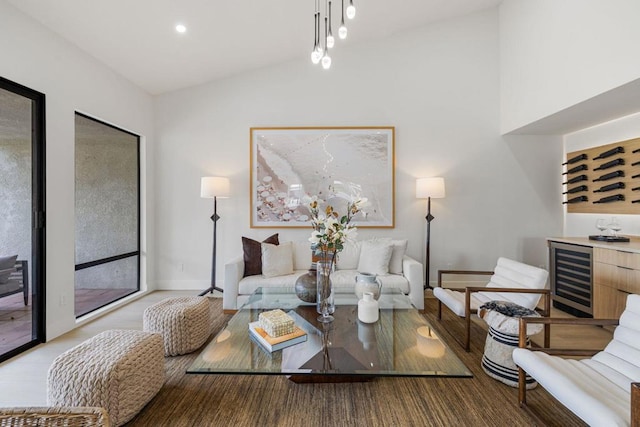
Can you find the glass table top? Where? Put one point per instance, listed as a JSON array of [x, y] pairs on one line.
[[400, 343]]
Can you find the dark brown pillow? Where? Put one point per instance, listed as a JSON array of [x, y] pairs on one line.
[[252, 253]]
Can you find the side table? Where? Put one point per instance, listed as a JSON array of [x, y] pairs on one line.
[[502, 317]]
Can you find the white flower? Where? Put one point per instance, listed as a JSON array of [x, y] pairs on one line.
[[361, 203], [350, 234], [315, 238], [330, 230]]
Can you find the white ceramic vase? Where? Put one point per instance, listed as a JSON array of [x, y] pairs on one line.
[[368, 309], [367, 282]]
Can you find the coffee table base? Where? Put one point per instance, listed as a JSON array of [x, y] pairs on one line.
[[329, 360], [314, 379]]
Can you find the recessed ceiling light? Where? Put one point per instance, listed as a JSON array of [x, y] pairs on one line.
[[181, 28]]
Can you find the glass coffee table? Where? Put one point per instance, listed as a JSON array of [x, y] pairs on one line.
[[400, 343]]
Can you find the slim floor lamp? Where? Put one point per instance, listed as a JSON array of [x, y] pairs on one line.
[[214, 187], [428, 188]]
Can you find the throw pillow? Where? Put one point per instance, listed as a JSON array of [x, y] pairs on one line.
[[277, 260], [252, 254], [398, 249], [348, 258], [7, 263], [374, 256]]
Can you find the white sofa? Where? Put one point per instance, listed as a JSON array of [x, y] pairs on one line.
[[409, 276]]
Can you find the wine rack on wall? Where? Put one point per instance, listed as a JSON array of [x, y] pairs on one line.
[[603, 179]]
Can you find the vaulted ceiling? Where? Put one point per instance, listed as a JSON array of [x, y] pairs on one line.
[[138, 40]]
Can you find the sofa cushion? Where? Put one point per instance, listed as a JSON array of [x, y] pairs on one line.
[[395, 281], [7, 266], [398, 249], [252, 254], [374, 256], [349, 256], [343, 281], [302, 254], [277, 260], [249, 284]]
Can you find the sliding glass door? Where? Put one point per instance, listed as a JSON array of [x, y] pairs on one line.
[[22, 201], [107, 214]]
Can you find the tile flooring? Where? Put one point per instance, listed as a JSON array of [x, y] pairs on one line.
[[23, 378]]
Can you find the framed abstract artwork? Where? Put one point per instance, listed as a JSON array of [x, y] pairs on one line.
[[337, 164]]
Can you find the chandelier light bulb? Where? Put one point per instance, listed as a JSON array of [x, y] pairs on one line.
[[342, 32], [326, 62], [351, 10], [330, 41], [315, 56]]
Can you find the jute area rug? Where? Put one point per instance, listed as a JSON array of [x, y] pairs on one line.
[[243, 400]]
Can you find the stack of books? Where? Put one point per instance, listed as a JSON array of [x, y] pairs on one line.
[[275, 343]]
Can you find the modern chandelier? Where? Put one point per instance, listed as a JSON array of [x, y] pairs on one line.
[[320, 54]]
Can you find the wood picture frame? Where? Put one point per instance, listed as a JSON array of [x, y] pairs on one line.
[[337, 164]]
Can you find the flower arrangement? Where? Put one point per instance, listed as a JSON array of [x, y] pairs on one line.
[[330, 230]]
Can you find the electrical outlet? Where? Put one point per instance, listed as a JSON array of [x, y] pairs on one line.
[[181, 267], [62, 300]]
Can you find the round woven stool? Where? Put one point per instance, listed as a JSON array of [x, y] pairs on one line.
[[184, 323], [503, 319]]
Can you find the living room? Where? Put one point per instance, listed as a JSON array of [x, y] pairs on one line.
[[491, 100]]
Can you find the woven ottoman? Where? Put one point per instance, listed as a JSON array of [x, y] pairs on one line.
[[183, 322], [118, 370], [503, 319]]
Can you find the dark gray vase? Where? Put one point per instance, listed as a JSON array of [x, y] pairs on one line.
[[306, 288]]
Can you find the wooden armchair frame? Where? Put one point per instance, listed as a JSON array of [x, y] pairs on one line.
[[545, 311], [547, 322]]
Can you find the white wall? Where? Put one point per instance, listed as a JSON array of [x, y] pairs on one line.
[[557, 53], [437, 85], [71, 80], [607, 133]]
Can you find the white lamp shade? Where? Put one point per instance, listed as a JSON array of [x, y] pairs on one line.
[[214, 186], [430, 187]]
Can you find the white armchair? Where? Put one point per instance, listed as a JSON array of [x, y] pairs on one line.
[[603, 390], [511, 281]]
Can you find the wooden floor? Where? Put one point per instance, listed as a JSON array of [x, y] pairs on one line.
[[23, 378], [15, 322], [15, 317]]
